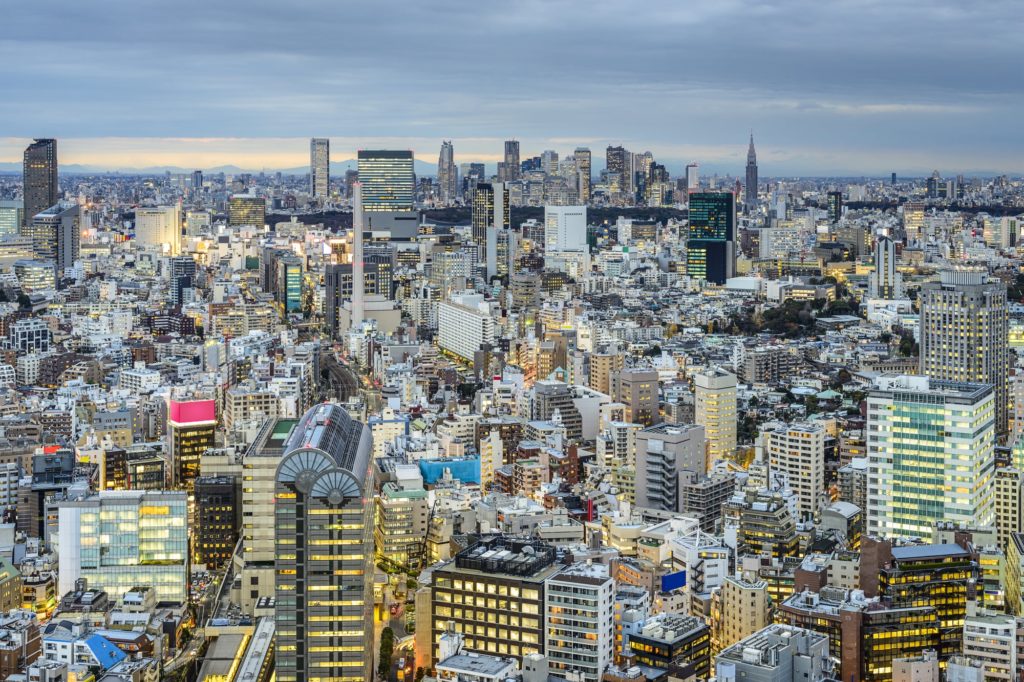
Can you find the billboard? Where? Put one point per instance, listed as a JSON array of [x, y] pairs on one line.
[[673, 581], [192, 411]]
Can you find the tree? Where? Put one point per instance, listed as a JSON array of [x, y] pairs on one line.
[[387, 649], [24, 301], [420, 673]]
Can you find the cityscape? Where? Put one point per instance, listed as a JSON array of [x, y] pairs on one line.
[[307, 386]]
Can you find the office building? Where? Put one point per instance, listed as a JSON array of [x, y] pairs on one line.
[[750, 197], [447, 174], [216, 520], [764, 523], [885, 282], [510, 571], [637, 389], [619, 167], [1008, 503], [197, 181], [565, 228], [834, 207], [512, 170], [56, 235], [159, 226], [191, 429], [35, 275], [490, 216], [388, 180], [578, 622], [715, 410], [996, 641], [964, 333], [797, 452], [400, 528], [931, 455], [324, 550], [582, 160], [740, 609], [692, 177], [778, 653], [465, 325], [12, 217], [182, 280], [710, 246], [668, 640], [247, 210], [319, 167], [663, 452], [40, 178], [118, 540]]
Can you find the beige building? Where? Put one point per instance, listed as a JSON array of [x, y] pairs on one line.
[[637, 389], [244, 404], [715, 410], [602, 365], [400, 527], [797, 451], [739, 609], [1009, 487]]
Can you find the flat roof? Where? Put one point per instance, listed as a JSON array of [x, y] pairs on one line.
[[928, 551]]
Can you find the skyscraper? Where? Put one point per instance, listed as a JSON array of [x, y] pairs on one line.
[[324, 549], [711, 249], [388, 180], [930, 454], [582, 156], [965, 333], [319, 167], [447, 175], [617, 167], [835, 206], [55, 235], [40, 177], [751, 189], [692, 177], [885, 282], [549, 161], [512, 160], [490, 214]]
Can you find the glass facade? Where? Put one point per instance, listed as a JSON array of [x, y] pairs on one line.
[[388, 180]]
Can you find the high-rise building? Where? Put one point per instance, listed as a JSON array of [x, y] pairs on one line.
[[965, 334], [119, 540], [512, 171], [388, 180], [244, 209], [692, 177], [12, 217], [465, 325], [885, 282], [931, 455], [324, 550], [197, 180], [583, 174], [490, 215], [615, 162], [637, 389], [40, 177], [668, 640], [663, 452], [710, 248], [835, 207], [715, 410], [741, 608], [56, 235], [750, 198], [191, 429], [319, 167], [549, 161], [216, 520], [447, 174], [182, 279], [578, 623], [565, 228], [913, 220], [159, 226], [797, 452]]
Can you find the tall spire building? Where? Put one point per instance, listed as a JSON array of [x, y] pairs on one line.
[[750, 198], [447, 175]]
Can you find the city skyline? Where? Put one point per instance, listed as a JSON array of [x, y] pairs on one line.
[[873, 97]]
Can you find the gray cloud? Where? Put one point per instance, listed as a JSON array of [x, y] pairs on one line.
[[937, 82]]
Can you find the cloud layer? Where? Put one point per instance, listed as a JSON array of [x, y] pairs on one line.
[[840, 87]]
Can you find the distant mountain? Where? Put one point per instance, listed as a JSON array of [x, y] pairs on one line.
[[338, 168]]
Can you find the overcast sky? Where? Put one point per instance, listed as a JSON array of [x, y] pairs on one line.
[[828, 87]]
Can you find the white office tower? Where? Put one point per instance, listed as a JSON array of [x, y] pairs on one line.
[[579, 622], [565, 228], [465, 324], [885, 282], [931, 455], [447, 174], [319, 167], [692, 177], [159, 226], [499, 221], [715, 410]]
